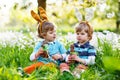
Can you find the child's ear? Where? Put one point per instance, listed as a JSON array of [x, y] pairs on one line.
[[89, 37], [43, 35]]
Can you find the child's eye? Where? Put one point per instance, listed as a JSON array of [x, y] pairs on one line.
[[77, 33], [51, 32], [82, 34]]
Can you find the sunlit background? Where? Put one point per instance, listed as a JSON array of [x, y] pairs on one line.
[[18, 36], [64, 13], [7, 5]]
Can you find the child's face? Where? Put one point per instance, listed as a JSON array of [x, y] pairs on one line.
[[82, 37], [50, 36]]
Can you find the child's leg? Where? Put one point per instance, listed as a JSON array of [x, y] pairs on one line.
[[64, 67], [32, 67], [80, 68]]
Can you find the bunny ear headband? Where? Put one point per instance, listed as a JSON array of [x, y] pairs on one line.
[[40, 18]]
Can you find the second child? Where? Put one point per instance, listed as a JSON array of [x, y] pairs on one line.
[[81, 53]]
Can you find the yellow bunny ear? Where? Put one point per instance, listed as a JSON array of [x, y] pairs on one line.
[[35, 16], [43, 14]]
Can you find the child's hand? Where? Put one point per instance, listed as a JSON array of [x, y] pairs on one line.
[[74, 57], [57, 56], [40, 52], [77, 58], [69, 59]]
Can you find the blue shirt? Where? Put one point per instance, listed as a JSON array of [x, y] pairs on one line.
[[84, 50], [53, 48]]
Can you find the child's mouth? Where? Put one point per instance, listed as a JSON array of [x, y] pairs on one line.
[[54, 37]]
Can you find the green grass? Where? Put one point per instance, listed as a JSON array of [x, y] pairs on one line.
[[107, 65]]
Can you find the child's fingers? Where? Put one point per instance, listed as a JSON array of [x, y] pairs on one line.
[[57, 56], [53, 57], [41, 50]]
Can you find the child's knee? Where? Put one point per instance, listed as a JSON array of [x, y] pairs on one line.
[[81, 66], [64, 65]]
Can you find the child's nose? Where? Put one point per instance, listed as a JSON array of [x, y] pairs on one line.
[[55, 34], [79, 35]]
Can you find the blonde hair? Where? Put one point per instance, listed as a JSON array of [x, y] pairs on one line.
[[84, 25]]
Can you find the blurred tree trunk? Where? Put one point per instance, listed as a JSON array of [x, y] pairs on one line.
[[118, 17], [41, 3]]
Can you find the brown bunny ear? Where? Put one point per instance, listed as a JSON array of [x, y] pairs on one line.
[[43, 14], [35, 16]]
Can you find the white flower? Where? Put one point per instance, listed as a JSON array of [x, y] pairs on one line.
[[110, 15]]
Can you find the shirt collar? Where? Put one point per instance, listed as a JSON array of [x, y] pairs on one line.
[[50, 43], [82, 46]]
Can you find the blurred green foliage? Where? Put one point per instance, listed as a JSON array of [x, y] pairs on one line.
[[63, 16]]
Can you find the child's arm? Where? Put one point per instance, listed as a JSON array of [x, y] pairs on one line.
[[77, 58], [62, 52], [91, 57], [90, 60], [40, 52], [34, 56]]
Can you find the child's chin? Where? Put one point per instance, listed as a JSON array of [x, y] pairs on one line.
[[81, 41], [52, 40]]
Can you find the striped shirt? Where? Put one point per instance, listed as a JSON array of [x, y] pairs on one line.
[[84, 51]]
